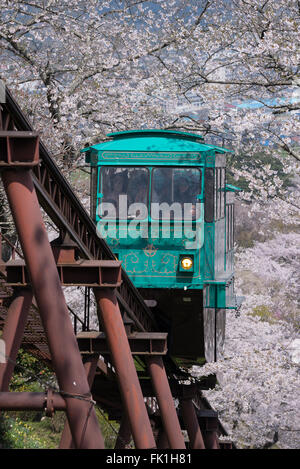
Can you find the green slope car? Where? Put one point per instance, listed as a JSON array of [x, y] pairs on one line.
[[160, 200]]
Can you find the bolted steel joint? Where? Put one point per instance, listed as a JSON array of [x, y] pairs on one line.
[[18, 150]]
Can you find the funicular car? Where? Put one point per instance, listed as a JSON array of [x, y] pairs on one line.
[[161, 201]]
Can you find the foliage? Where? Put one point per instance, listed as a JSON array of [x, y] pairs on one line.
[[32, 429], [249, 163], [30, 373], [14, 433], [22, 430], [264, 313], [109, 428]]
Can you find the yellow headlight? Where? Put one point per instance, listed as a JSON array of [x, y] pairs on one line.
[[186, 263]]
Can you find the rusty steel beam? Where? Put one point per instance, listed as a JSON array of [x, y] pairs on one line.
[[13, 331], [52, 306], [209, 425], [166, 403], [210, 437], [110, 318], [18, 149], [226, 444], [90, 367], [64, 249], [124, 434], [103, 368], [109, 386], [141, 343], [162, 440], [191, 424], [31, 401], [90, 273]]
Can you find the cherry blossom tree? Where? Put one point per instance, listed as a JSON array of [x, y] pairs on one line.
[[257, 397], [114, 63], [83, 69]]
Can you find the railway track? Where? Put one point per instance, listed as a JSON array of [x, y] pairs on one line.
[[57, 198]]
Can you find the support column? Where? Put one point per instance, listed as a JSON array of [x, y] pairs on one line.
[[162, 440], [166, 403], [90, 366], [13, 331], [191, 423], [51, 302], [110, 318], [210, 434], [124, 435]]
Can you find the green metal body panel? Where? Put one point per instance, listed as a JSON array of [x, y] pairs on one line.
[[153, 261]]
